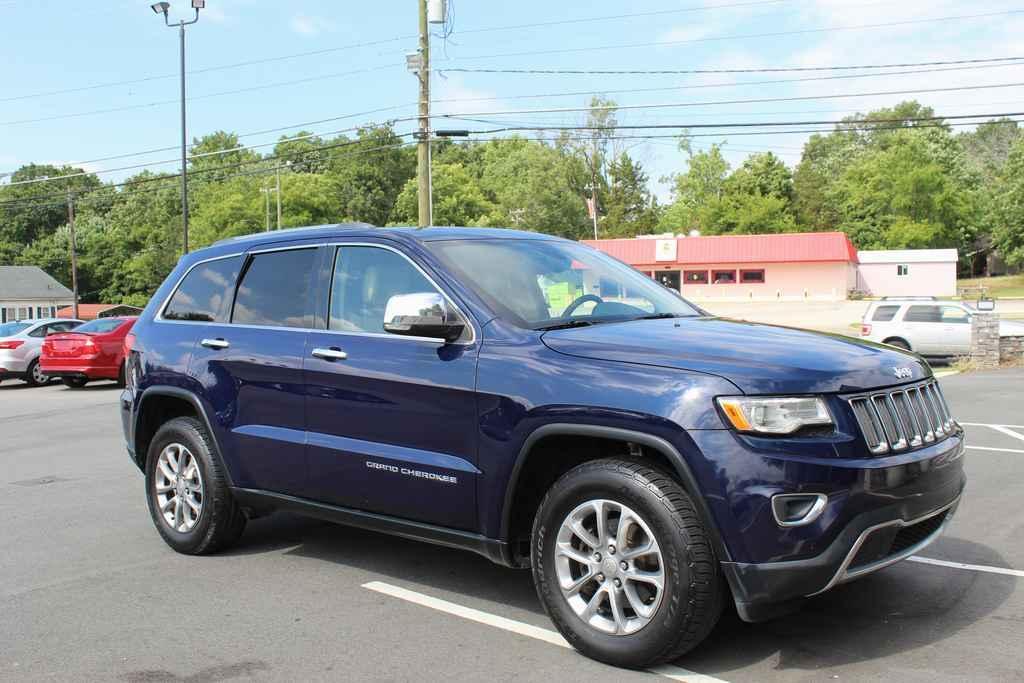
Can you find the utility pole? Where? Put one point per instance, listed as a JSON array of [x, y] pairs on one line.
[[278, 197], [266, 210], [74, 254], [423, 149]]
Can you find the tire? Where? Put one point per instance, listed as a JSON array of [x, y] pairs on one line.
[[898, 343], [34, 377], [74, 382], [219, 521], [121, 376], [691, 599]]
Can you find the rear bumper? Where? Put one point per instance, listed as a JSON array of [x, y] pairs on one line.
[[11, 366], [61, 369]]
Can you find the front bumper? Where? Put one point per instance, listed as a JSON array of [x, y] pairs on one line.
[[872, 541]]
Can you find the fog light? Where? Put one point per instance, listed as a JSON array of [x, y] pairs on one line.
[[798, 509]]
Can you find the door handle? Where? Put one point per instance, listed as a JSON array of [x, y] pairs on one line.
[[215, 343], [330, 354]]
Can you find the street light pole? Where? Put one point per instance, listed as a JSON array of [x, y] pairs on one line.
[[161, 8]]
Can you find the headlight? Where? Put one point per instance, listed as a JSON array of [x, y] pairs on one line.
[[776, 415]]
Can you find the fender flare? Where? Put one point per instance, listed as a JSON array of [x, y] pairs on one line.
[[679, 464], [190, 397]]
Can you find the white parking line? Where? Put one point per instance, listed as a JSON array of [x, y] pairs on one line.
[[1002, 450], [1006, 430], [548, 636], [970, 567], [983, 424]]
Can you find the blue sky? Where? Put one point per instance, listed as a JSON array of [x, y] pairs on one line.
[[48, 45]]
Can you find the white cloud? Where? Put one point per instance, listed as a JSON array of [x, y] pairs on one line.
[[451, 95], [308, 25]]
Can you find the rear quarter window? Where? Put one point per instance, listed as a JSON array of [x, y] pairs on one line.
[[205, 293], [884, 314]]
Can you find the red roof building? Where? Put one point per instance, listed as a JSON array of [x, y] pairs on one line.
[[789, 266], [93, 311]]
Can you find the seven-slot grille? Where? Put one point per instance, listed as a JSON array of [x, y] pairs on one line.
[[898, 419]]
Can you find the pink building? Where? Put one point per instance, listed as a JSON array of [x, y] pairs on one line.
[[907, 272], [787, 267]]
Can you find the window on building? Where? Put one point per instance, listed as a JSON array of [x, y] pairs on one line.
[[695, 277], [723, 277], [24, 313], [884, 314], [205, 293], [902, 269], [752, 276], [274, 290], [922, 314]]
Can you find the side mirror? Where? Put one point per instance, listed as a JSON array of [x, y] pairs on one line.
[[423, 314]]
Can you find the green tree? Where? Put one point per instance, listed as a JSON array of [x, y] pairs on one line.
[[1009, 207], [370, 173], [702, 183], [458, 198], [629, 207]]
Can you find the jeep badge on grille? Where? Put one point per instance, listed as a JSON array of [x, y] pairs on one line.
[[903, 373]]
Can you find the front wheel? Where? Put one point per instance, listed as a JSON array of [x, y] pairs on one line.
[[623, 564]]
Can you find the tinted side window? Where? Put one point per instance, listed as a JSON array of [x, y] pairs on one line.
[[364, 279], [205, 293], [275, 289], [885, 313], [922, 314]]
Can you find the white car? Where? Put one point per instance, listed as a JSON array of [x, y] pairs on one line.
[[20, 345], [926, 326]]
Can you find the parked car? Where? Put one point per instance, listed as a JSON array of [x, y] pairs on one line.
[[540, 403], [926, 326], [90, 352], [21, 343]]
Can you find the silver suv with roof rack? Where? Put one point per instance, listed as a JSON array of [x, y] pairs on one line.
[[925, 325]]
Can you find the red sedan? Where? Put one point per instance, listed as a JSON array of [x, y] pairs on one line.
[[93, 351]]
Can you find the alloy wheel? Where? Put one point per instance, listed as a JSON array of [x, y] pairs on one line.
[[37, 375], [178, 488], [609, 567]]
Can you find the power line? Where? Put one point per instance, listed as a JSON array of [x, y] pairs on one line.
[[746, 36], [781, 69], [373, 43], [730, 84], [145, 105], [251, 62], [666, 105]]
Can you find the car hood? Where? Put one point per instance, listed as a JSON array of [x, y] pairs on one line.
[[757, 358]]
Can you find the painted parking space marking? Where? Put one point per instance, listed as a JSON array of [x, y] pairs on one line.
[[1001, 450], [968, 567], [985, 424], [674, 673]]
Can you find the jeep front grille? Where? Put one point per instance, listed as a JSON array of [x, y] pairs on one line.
[[899, 419]]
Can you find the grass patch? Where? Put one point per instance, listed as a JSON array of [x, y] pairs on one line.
[[1003, 286]]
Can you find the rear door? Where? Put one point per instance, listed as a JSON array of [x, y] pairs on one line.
[[956, 330], [251, 369], [392, 419], [922, 326]]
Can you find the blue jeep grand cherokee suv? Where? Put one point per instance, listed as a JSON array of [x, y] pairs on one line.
[[540, 403]]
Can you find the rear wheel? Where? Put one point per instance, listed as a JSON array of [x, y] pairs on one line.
[[624, 565], [898, 343], [74, 382], [34, 375], [189, 499]]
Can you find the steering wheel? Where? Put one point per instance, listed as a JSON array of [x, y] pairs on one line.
[[579, 301]]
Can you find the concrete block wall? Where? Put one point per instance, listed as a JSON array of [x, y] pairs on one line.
[[1011, 349], [985, 339]]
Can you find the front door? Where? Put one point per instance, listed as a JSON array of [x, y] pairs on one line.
[[392, 425], [251, 367]]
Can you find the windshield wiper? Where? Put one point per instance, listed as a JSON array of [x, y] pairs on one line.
[[565, 325], [658, 316]]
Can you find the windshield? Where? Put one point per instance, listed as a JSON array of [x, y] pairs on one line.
[[541, 284], [11, 329], [100, 326]]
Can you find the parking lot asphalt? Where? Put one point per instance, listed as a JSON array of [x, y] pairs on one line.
[[89, 591]]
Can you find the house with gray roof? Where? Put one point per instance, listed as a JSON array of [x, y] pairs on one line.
[[29, 293]]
